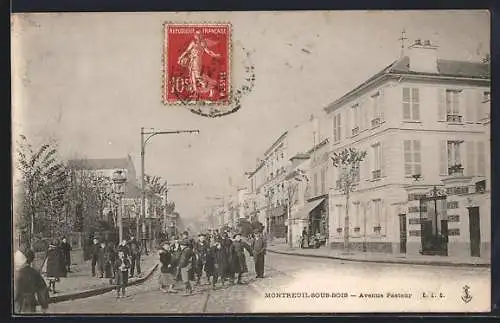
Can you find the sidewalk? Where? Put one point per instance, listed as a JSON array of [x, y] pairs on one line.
[[80, 280], [326, 252]]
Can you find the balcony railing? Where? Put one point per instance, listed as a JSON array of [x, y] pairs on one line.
[[453, 118], [376, 174], [355, 131], [375, 122]]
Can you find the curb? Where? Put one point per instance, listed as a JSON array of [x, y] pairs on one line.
[[389, 261], [100, 290]]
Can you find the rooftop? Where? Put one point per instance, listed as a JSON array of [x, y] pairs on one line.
[[446, 68]]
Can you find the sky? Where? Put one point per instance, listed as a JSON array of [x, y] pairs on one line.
[[90, 81]]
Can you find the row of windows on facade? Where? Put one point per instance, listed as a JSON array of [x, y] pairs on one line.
[[449, 109], [451, 160], [375, 210], [450, 164]]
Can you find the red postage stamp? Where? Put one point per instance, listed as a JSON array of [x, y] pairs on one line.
[[196, 63]]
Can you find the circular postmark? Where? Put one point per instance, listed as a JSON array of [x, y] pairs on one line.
[[199, 70]]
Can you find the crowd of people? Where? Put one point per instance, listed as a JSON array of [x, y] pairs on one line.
[[210, 258], [218, 257]]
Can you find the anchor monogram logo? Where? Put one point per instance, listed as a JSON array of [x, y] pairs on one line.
[[467, 297]]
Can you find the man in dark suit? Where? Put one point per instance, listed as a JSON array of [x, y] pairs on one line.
[[95, 249], [259, 247]]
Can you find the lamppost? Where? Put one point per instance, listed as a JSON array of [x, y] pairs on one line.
[[145, 137], [119, 178]]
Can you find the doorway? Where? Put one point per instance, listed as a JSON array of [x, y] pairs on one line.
[[474, 232], [402, 233]]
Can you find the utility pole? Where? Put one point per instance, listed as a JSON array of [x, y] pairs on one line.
[[144, 141]]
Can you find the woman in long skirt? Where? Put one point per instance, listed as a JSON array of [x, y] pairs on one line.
[[54, 265]]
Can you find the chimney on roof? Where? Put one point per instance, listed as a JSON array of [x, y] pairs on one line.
[[423, 57]]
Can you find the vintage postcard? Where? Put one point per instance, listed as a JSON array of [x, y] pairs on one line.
[[251, 162]]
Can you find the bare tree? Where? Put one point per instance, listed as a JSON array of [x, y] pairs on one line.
[[348, 162]]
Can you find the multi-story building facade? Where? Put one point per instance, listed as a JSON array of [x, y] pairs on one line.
[[424, 123], [267, 181]]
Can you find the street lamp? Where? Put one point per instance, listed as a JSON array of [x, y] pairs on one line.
[[119, 178], [145, 137]]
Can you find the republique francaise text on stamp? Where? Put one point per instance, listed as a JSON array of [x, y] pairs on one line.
[[196, 63]]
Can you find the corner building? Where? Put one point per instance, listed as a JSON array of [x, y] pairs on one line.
[[424, 187]]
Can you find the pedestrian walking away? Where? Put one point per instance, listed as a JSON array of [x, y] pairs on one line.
[[29, 286], [122, 266], [259, 252], [94, 251], [135, 257], [238, 255], [101, 259], [66, 251]]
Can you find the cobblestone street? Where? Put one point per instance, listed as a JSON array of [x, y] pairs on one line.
[[292, 274]]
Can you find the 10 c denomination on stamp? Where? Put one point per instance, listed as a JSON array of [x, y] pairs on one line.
[[196, 63]]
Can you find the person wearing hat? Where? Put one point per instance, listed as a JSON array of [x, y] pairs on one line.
[[217, 262], [94, 251], [201, 249], [54, 265], [259, 247], [29, 286], [66, 251], [167, 278], [186, 262], [228, 270], [239, 260]]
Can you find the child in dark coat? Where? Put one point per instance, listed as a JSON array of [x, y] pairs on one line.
[[167, 270], [122, 266]]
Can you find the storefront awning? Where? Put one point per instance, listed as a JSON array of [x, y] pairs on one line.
[[303, 213]]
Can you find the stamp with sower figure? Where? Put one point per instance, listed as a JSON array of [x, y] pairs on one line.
[[197, 63]]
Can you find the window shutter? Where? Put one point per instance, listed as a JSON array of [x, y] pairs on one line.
[[383, 214], [347, 127], [443, 160], [462, 102], [339, 128], [470, 106], [481, 158], [368, 114], [407, 157], [381, 104], [382, 159], [441, 104], [482, 109], [470, 168], [366, 167]]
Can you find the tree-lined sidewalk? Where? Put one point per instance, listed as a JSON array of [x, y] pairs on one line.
[[80, 278]]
